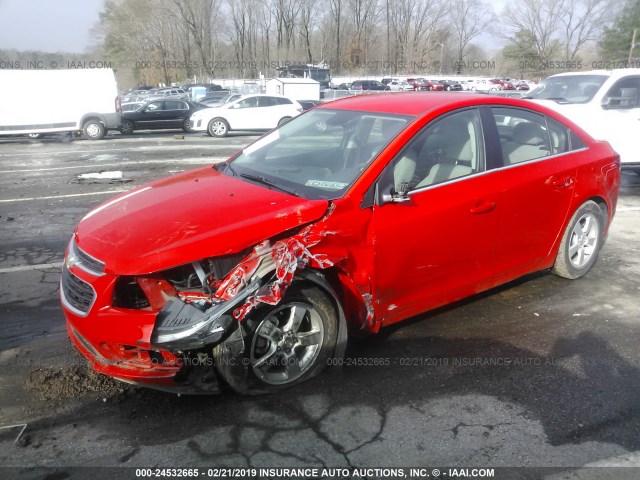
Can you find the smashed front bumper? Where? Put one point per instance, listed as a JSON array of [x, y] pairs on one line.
[[172, 346]]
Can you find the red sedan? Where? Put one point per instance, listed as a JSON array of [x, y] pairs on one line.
[[356, 215]]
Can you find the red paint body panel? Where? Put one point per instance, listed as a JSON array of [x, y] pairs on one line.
[[433, 249], [193, 215]]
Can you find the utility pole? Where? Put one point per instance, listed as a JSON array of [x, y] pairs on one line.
[[633, 44], [441, 54]]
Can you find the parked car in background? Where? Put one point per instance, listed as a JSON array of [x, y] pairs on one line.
[[159, 114], [343, 86], [522, 85], [435, 85], [418, 83], [134, 96], [176, 93], [368, 85], [483, 85], [424, 84], [451, 85], [249, 112], [399, 85], [219, 98], [348, 219], [606, 103]]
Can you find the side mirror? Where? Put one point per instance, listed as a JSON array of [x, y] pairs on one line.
[[385, 188]]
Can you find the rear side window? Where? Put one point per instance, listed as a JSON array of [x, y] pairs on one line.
[[283, 101], [526, 136], [267, 101], [523, 135]]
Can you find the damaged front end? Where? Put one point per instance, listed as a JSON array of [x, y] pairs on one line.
[[205, 302]]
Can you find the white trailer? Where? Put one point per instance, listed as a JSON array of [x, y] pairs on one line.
[[294, 88], [48, 101]]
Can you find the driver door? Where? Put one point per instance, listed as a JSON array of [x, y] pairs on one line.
[[436, 245]]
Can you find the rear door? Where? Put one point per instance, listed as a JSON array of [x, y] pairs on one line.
[[153, 115], [537, 181], [176, 112]]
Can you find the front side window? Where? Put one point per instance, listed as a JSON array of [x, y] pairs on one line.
[[246, 103], [320, 154], [448, 148]]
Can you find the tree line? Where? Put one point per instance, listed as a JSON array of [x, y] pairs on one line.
[[165, 41]]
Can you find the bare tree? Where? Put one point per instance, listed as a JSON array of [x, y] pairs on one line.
[[467, 20], [542, 19], [583, 21]]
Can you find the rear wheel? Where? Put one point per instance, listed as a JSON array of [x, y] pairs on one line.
[[288, 343], [283, 120], [93, 129], [581, 242], [186, 125], [218, 127]]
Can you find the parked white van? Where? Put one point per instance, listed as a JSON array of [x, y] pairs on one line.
[[606, 103], [47, 101]]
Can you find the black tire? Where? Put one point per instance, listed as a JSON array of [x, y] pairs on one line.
[[126, 127], [280, 352], [283, 120], [93, 129], [581, 242], [186, 125], [218, 127]]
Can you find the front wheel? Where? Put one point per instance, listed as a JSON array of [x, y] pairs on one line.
[[126, 127], [186, 125], [93, 129], [218, 127], [288, 343], [581, 242]]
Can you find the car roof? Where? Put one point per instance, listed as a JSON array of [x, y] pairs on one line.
[[621, 72], [418, 103], [404, 103]]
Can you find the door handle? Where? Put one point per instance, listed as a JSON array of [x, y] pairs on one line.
[[483, 207], [561, 182]]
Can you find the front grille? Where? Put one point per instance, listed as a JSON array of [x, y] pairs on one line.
[[77, 293], [87, 262]]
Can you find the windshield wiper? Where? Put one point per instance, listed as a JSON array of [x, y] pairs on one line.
[[264, 181]]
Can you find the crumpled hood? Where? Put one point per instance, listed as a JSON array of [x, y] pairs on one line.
[[187, 217]]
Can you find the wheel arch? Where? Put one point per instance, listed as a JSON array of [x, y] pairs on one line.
[[327, 280]]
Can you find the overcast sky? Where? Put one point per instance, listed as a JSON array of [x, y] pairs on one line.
[[47, 25]]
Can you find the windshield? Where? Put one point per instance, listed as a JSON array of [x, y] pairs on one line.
[[568, 88], [319, 154]]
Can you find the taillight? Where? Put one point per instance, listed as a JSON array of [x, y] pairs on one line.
[[117, 103]]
